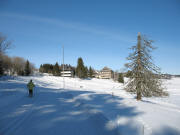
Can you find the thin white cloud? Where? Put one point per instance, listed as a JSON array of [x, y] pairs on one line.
[[72, 25]]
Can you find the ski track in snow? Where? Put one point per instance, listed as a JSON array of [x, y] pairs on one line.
[[21, 111], [13, 125], [27, 109]]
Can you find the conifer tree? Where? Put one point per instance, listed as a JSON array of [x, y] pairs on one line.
[[41, 68], [86, 72], [120, 78], [128, 73], [80, 69], [91, 72], [145, 76], [56, 70], [27, 70]]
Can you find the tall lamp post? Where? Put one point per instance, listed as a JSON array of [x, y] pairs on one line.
[[63, 68]]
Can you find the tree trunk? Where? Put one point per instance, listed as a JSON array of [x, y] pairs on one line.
[[138, 91], [138, 95]]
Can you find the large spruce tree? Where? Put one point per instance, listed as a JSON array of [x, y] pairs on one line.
[[27, 70], [81, 70], [145, 77]]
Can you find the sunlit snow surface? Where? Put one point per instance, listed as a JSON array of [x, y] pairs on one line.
[[85, 107]]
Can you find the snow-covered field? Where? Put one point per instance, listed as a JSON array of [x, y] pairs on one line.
[[85, 107]]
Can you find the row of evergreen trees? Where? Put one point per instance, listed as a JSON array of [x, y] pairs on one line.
[[55, 69], [80, 71]]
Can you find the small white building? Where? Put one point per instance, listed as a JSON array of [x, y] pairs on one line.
[[67, 73]]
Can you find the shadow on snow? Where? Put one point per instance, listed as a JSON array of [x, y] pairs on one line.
[[53, 111]]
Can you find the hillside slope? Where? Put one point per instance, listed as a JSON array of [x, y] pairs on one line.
[[91, 106]]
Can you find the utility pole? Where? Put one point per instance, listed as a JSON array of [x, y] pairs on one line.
[[63, 68]]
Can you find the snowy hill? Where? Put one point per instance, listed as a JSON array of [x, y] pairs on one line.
[[85, 107]]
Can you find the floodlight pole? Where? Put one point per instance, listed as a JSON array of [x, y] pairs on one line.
[[63, 68]]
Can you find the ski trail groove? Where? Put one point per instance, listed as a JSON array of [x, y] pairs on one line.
[[13, 126]]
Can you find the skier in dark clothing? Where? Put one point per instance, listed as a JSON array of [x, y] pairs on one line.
[[30, 86]]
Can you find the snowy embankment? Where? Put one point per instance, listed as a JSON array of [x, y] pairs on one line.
[[91, 107]]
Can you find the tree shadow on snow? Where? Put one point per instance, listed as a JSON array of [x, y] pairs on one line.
[[68, 112], [166, 131]]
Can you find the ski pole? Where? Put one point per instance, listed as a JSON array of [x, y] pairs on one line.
[[27, 91]]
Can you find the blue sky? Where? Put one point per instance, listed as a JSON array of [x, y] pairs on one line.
[[99, 31]]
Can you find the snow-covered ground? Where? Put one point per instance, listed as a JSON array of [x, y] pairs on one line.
[[85, 107]]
